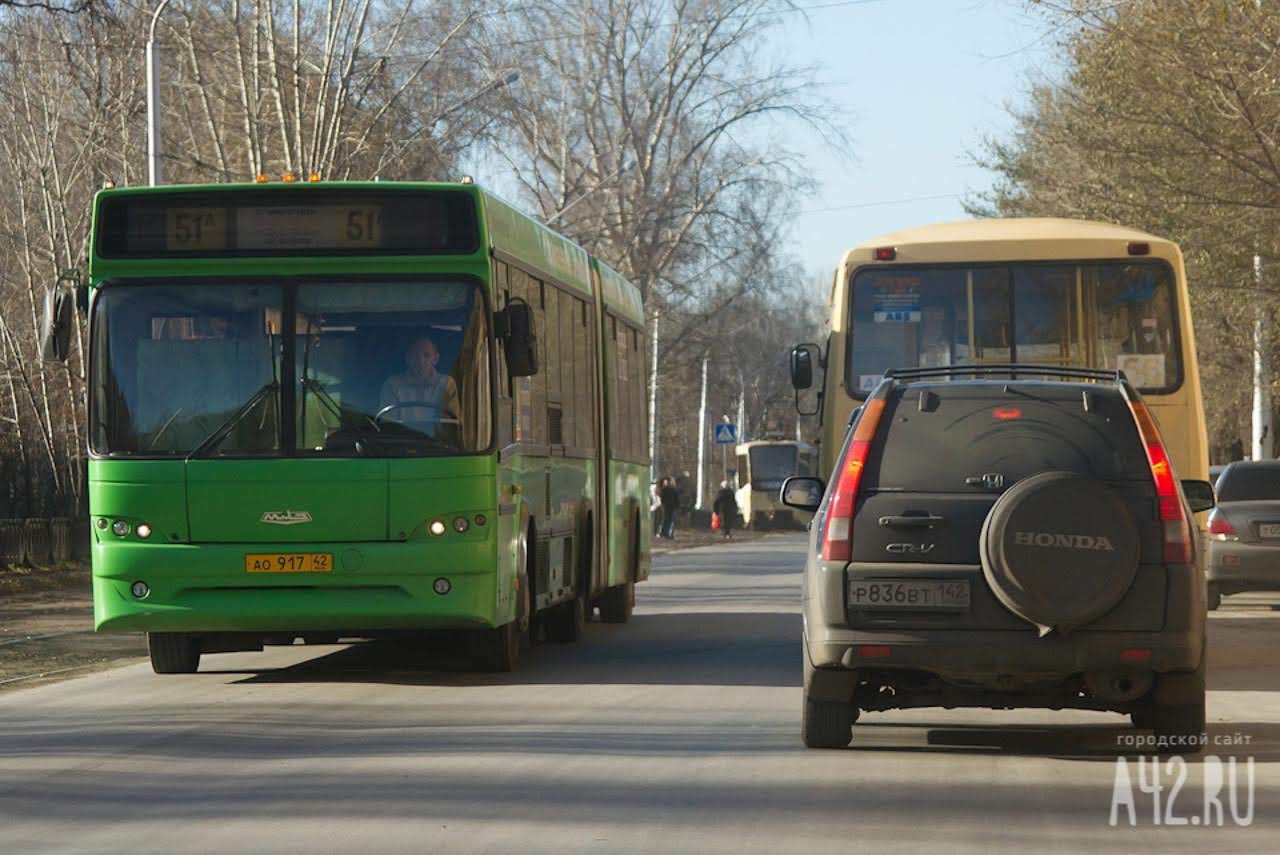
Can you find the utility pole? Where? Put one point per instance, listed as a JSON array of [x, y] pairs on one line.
[[1262, 419], [154, 170], [702, 431], [653, 405]]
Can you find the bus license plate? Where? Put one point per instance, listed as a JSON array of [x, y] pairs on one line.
[[289, 562], [1269, 530], [936, 594]]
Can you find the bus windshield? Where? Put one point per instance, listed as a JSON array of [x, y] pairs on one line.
[[265, 369], [1096, 315], [771, 465]]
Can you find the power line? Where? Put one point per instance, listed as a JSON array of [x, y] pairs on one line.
[[879, 204]]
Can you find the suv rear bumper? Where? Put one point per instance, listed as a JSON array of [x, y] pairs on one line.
[[1022, 656]]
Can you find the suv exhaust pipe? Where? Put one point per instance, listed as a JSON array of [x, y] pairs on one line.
[[1119, 685]]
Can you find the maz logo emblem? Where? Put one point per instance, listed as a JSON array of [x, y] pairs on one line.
[[910, 548], [286, 517]]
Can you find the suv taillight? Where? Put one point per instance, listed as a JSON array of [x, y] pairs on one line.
[[1220, 528], [1177, 530], [837, 531]]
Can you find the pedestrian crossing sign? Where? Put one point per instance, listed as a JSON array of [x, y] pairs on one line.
[[726, 433]]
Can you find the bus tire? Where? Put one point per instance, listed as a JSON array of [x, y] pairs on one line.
[[616, 603], [173, 652], [497, 649], [564, 623]]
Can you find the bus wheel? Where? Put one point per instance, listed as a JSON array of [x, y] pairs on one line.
[[564, 623], [173, 652], [498, 649], [616, 603]]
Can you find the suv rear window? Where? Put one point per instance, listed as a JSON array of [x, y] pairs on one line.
[[934, 437], [1246, 482]]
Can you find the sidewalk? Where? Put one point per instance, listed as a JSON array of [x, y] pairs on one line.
[[46, 628]]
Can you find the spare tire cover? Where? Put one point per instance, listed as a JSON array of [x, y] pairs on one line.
[[1059, 550]]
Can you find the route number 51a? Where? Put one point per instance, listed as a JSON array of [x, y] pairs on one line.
[[195, 229]]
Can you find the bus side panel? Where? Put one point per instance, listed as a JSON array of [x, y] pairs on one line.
[[630, 531]]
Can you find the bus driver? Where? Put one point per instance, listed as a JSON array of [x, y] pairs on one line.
[[423, 383]]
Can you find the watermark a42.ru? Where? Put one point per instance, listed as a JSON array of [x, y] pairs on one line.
[[1156, 787]]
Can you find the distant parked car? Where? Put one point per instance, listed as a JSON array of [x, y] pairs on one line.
[[1244, 531]]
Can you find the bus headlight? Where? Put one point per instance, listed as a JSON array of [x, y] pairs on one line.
[[436, 527], [140, 590], [120, 528], [460, 524], [143, 530], [441, 586]]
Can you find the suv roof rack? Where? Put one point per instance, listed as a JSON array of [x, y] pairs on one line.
[[1008, 369]]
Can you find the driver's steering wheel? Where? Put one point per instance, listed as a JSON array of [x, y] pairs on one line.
[[377, 419]]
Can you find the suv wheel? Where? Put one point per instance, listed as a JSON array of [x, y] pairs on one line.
[[827, 724], [1215, 597], [1177, 710], [173, 652]]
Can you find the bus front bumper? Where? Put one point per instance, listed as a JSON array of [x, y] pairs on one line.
[[371, 586]]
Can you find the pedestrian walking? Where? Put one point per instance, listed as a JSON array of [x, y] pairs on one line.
[[670, 504], [726, 507]]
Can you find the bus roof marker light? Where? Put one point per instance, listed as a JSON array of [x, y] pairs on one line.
[[1138, 247], [288, 178], [261, 179], [885, 253], [314, 177]]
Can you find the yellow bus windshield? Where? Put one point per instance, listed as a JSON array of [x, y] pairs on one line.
[[1097, 315]]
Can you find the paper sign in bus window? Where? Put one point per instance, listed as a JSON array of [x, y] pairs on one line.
[[897, 300], [1144, 370]]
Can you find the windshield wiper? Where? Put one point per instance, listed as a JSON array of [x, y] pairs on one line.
[[346, 415], [215, 439]]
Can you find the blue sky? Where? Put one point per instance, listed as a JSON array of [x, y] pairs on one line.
[[922, 81]]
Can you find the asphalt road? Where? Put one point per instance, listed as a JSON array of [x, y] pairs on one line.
[[676, 733]]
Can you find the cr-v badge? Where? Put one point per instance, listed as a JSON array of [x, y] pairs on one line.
[[286, 517], [910, 548]]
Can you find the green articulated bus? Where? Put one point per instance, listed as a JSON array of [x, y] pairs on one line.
[[333, 409]]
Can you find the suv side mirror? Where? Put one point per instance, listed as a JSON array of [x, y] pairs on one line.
[[56, 323], [1199, 495], [802, 492], [520, 345]]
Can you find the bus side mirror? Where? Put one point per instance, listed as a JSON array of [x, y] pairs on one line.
[[803, 356], [1199, 495], [56, 323], [802, 366], [520, 345]]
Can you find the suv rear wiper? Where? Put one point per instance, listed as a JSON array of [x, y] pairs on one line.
[[215, 439]]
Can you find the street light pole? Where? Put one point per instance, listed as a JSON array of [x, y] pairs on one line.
[[653, 405], [702, 431], [154, 171]]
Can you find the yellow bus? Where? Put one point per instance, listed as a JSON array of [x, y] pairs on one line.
[[1029, 291]]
